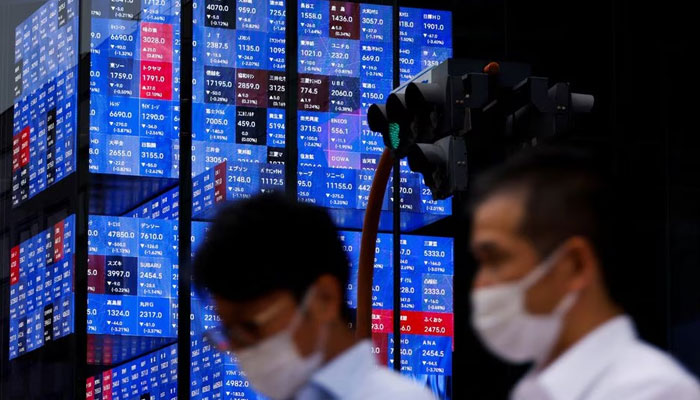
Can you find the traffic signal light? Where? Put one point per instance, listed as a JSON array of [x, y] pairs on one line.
[[443, 165], [540, 111], [450, 109]]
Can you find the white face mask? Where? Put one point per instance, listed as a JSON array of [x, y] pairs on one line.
[[274, 366], [507, 328]]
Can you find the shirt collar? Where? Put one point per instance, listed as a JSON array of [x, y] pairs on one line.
[[588, 359], [341, 375]]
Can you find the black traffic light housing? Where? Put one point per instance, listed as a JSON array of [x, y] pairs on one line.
[[459, 105], [443, 165]]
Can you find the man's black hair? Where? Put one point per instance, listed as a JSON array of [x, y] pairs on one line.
[[567, 192], [269, 243]]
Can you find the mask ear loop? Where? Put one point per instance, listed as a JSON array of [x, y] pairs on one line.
[[542, 269]]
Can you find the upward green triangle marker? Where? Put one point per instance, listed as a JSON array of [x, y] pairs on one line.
[[394, 135]]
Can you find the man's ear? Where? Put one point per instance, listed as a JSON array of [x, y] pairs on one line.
[[327, 298], [584, 262]]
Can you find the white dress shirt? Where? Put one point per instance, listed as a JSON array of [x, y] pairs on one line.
[[355, 375], [610, 363]]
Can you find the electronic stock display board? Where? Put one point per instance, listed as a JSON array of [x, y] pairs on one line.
[[345, 65], [239, 99], [45, 91], [427, 319], [151, 377], [41, 288], [427, 292], [132, 276], [427, 266], [239, 87], [134, 87]]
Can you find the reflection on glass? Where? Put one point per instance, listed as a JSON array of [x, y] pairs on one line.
[[41, 288], [45, 113]]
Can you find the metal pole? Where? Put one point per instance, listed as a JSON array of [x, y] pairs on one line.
[[396, 206], [185, 213]]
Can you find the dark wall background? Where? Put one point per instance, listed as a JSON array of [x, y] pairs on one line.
[[638, 59]]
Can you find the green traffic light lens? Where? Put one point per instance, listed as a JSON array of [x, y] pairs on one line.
[[394, 135]]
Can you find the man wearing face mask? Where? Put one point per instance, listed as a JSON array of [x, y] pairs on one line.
[[277, 273], [543, 292]]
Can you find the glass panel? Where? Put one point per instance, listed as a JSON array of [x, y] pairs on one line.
[[153, 376], [239, 99], [38, 126], [134, 154], [238, 149], [345, 65], [134, 88], [41, 288], [427, 319]]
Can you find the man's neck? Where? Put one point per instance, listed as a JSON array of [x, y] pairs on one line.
[[578, 324]]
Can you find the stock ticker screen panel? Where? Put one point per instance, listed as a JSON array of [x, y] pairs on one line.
[[45, 98], [345, 64], [427, 319], [41, 288], [153, 376], [134, 87], [239, 98], [132, 276], [427, 266], [425, 38]]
